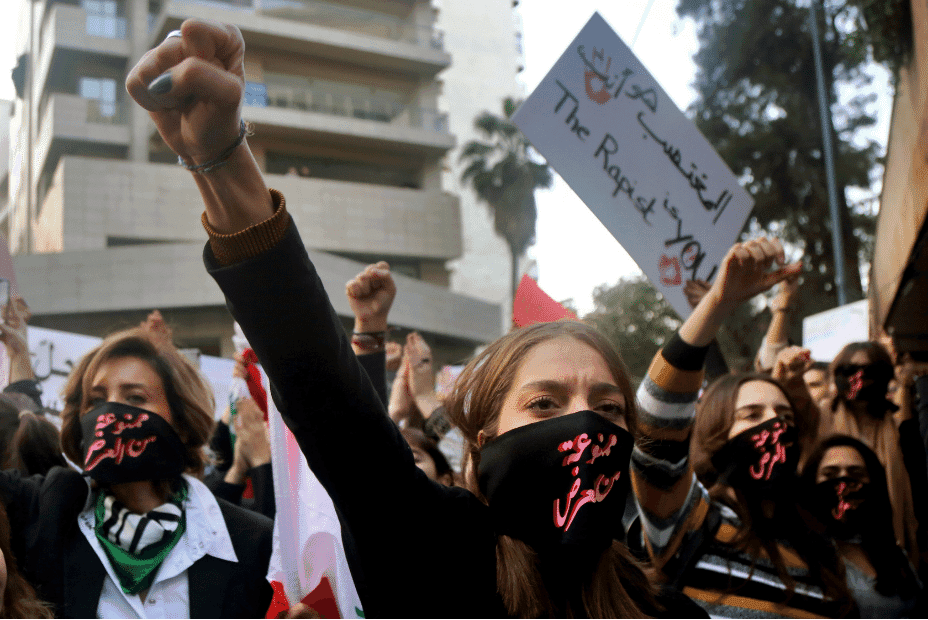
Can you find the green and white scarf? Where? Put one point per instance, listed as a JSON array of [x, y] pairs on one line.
[[137, 544]]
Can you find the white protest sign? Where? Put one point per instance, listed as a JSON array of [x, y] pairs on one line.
[[609, 129], [826, 333], [54, 354]]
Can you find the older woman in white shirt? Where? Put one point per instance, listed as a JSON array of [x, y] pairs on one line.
[[138, 535]]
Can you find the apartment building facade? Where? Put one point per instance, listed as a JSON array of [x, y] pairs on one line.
[[344, 98]]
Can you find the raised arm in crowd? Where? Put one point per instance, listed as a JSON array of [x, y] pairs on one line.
[[555, 438], [561, 383]]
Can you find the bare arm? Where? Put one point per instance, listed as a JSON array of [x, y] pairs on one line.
[[192, 87], [662, 477]]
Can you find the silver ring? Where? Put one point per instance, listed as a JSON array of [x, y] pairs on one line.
[[174, 33]]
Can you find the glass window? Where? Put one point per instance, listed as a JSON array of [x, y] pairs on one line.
[[103, 91], [104, 18]]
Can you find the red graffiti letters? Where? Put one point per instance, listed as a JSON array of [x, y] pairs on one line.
[[131, 448], [773, 451], [857, 382], [594, 495], [578, 444], [601, 487], [109, 418]]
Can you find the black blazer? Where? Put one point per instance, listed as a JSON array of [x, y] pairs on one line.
[[56, 558]]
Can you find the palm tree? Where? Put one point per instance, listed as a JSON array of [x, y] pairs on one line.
[[505, 177]]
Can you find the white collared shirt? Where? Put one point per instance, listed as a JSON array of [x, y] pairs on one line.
[[169, 594]]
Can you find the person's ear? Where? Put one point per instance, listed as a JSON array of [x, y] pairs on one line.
[[481, 438]]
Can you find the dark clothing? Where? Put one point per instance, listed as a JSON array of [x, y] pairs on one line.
[[56, 558], [30, 388], [262, 485], [375, 365], [262, 477], [420, 549]]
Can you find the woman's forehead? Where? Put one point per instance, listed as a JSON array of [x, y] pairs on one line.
[[564, 358], [759, 392], [839, 456], [125, 370]]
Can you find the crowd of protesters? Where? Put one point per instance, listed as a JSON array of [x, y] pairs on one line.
[[797, 489]]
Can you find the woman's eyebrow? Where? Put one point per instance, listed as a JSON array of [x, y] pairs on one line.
[[543, 385], [606, 389]]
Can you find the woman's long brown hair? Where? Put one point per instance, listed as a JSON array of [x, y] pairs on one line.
[[715, 415], [619, 586], [19, 598]]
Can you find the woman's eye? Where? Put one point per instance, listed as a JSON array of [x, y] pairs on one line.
[[612, 408], [137, 399], [95, 401], [542, 404]]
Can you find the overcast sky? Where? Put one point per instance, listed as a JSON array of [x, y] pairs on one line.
[[574, 251]]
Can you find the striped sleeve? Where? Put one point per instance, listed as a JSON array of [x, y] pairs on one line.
[[670, 500]]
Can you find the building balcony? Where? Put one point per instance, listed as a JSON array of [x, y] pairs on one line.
[[289, 112], [63, 288], [96, 203], [314, 28], [69, 30], [72, 123]]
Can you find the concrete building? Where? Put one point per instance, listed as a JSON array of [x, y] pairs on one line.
[[5, 108], [346, 99], [484, 38]]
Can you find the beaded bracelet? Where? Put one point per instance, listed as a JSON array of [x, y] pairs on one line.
[[223, 157]]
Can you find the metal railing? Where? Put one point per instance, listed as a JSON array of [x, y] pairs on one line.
[[336, 104], [339, 17]]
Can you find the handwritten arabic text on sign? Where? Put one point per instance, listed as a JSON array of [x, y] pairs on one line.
[[636, 161]]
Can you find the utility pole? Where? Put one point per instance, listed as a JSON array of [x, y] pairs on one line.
[[837, 239]]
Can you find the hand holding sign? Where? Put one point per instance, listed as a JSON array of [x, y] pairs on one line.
[[608, 128], [745, 271]]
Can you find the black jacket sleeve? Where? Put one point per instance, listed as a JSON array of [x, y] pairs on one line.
[[393, 512], [375, 365]]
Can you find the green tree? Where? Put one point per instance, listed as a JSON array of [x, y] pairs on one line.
[[638, 321], [636, 318], [757, 104], [504, 175]]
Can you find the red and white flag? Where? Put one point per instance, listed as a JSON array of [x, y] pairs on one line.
[[308, 562]]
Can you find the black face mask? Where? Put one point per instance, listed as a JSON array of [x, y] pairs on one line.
[[758, 461], [559, 485], [863, 382], [122, 443], [840, 505]]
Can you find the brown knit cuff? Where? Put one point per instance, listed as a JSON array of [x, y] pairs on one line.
[[254, 240]]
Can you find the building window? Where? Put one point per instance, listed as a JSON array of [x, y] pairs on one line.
[[102, 93], [104, 18], [256, 94]]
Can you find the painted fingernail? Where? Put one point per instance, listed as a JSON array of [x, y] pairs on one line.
[[161, 85]]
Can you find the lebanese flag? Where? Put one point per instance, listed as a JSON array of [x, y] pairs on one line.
[[308, 561]]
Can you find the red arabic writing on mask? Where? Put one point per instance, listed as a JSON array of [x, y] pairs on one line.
[[601, 487], [132, 448], [106, 419], [856, 382], [843, 506], [773, 451]]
